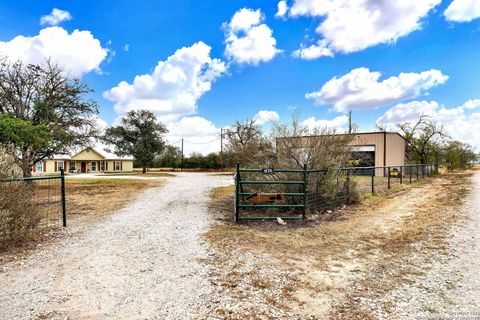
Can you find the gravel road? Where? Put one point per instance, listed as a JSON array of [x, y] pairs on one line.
[[138, 263]]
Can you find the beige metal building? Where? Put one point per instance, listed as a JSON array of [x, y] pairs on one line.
[[383, 148], [372, 149]]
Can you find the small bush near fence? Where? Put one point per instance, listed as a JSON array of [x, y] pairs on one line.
[[18, 215]]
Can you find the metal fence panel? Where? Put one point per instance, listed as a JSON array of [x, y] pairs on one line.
[[47, 194], [314, 190]]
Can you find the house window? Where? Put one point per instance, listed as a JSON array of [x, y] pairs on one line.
[[39, 166], [102, 165], [60, 165], [94, 166], [73, 166], [118, 166]]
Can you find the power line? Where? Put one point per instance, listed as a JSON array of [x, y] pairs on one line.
[[191, 142], [176, 142], [207, 142]]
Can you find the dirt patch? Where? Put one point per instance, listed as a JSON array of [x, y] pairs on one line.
[[340, 266]]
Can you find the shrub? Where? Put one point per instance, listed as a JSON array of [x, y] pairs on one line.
[[18, 214]]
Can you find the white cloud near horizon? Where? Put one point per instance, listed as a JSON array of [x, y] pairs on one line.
[[460, 123], [55, 17], [363, 89], [174, 87], [349, 26], [463, 10], [264, 116], [78, 52], [199, 134], [338, 123], [248, 40]]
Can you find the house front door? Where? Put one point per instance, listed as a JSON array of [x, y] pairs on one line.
[[84, 167]]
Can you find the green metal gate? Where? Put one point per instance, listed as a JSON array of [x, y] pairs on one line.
[[241, 195]]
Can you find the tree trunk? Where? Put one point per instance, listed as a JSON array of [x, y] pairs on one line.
[[26, 169], [144, 169]]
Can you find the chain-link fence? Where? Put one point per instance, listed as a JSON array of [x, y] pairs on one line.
[[329, 189], [262, 194]]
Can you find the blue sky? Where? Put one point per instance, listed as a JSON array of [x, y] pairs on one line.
[[436, 43]]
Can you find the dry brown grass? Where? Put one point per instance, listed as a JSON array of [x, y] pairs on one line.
[[185, 169], [344, 259], [139, 174], [102, 196]]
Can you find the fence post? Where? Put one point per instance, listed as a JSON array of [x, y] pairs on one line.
[[373, 181], [388, 179], [410, 174], [237, 199], [64, 206], [305, 189], [401, 174], [417, 170]]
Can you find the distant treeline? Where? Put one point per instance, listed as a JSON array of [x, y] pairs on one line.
[[171, 157]]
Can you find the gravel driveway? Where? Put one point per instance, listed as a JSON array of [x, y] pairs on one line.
[[448, 285], [139, 263]]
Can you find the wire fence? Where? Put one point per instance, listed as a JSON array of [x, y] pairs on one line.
[[41, 196], [263, 194]]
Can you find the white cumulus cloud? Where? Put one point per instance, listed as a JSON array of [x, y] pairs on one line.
[[248, 40], [460, 123], [78, 52], [362, 88], [463, 10], [264, 116], [348, 26], [199, 134], [173, 88], [55, 17], [282, 8], [337, 123]]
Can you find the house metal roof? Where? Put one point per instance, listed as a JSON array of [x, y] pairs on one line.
[[99, 148]]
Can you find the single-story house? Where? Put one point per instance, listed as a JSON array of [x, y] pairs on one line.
[[89, 160]]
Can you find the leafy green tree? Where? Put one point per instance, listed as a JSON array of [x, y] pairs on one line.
[[458, 155], [139, 135], [42, 112], [170, 157]]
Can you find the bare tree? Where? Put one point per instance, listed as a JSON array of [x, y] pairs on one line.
[[297, 144], [42, 112], [423, 139], [246, 142]]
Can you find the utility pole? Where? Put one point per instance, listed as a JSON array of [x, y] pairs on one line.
[[221, 147], [181, 166], [350, 121]]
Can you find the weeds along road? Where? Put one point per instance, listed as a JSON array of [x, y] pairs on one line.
[[138, 263]]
